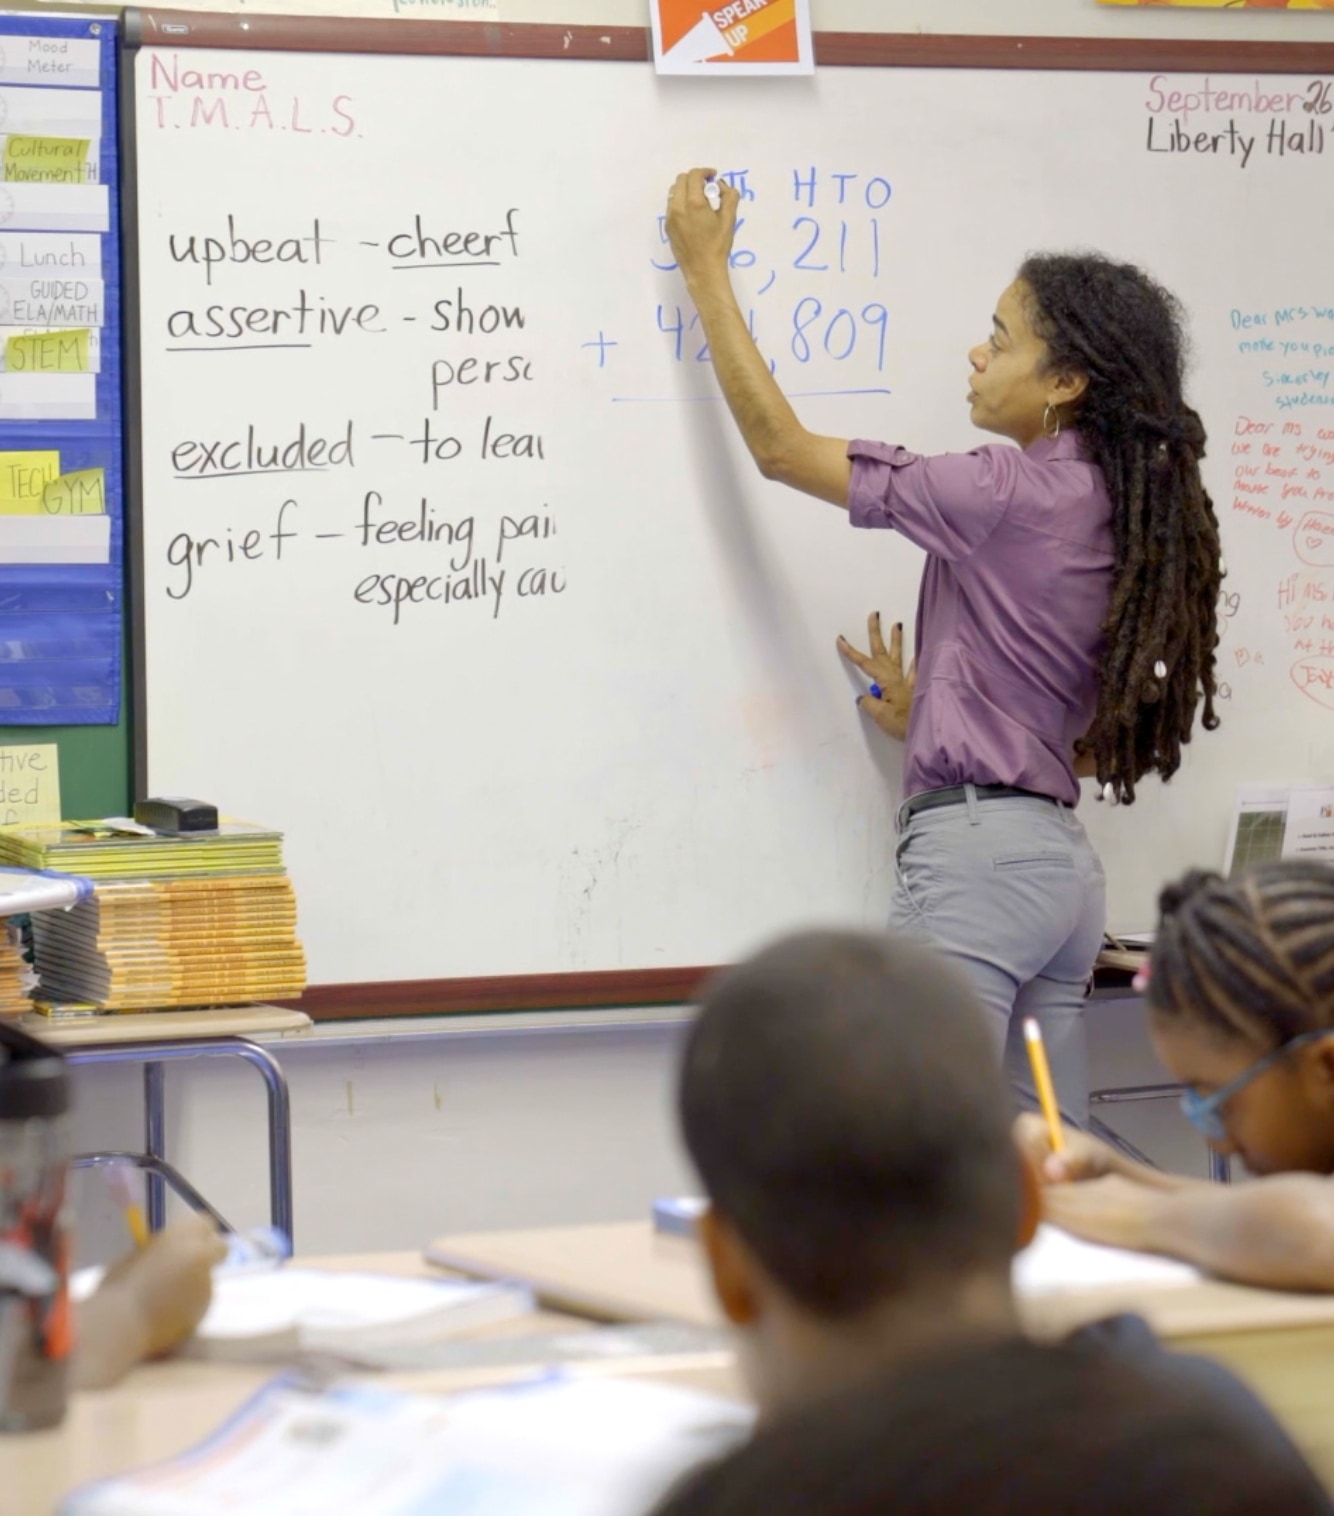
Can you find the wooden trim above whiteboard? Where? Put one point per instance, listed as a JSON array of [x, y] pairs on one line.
[[630, 44], [503, 992]]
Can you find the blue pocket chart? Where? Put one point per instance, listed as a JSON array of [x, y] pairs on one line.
[[61, 515]]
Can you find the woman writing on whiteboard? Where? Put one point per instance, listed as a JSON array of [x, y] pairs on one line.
[[1067, 613]]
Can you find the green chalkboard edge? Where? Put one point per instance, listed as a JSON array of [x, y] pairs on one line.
[[624, 44]]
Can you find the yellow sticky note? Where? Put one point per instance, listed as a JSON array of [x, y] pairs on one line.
[[29, 784], [23, 481], [48, 352], [82, 493], [46, 160]]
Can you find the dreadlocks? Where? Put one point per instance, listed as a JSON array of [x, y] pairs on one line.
[[1250, 958], [1111, 322]]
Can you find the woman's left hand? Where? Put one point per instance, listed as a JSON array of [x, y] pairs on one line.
[[891, 706]]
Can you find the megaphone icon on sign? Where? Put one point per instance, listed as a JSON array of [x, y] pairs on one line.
[[701, 42]]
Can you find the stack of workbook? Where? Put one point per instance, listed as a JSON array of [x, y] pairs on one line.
[[115, 850], [17, 979], [23, 891], [172, 920]]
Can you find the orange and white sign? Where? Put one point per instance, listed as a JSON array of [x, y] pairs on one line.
[[732, 37]]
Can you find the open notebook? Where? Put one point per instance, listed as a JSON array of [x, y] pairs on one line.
[[542, 1448], [275, 1315], [1055, 1262]]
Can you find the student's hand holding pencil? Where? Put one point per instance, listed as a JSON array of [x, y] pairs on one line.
[[1081, 1156], [149, 1302], [1112, 1210]]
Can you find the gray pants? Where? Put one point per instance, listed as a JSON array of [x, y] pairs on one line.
[[1012, 892]]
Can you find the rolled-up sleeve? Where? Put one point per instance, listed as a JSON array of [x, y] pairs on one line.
[[948, 505]]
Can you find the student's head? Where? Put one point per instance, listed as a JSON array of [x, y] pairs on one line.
[[1242, 971], [841, 1100], [1081, 342], [1018, 1428]]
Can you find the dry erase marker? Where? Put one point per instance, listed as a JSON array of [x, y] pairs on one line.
[[1037, 1056], [876, 693], [713, 194]]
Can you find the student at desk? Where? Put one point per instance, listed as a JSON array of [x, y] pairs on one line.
[[840, 1100], [148, 1303], [1240, 995], [145, 1305], [1021, 1428]]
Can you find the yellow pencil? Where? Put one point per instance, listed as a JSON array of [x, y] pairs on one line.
[[134, 1212], [1037, 1056]]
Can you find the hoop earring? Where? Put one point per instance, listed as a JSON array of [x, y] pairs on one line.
[[1048, 412]]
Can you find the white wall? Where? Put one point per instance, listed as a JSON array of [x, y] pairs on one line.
[[407, 1136], [400, 1139], [396, 1141]]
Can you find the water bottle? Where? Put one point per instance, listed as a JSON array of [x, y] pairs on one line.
[[36, 1335], [256, 1251]]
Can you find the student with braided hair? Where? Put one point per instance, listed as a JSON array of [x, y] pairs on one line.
[[1240, 993], [1066, 622]]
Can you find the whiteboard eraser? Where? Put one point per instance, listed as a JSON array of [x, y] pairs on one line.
[[170, 813]]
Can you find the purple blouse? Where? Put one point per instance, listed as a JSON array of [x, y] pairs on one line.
[[1016, 586]]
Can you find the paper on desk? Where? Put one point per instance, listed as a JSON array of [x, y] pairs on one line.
[[1055, 1262], [552, 1447]]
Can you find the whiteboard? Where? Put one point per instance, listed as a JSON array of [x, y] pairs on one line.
[[529, 712]]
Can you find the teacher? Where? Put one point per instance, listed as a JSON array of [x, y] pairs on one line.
[[1066, 619]]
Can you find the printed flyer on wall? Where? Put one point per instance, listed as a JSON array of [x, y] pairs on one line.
[[737, 37]]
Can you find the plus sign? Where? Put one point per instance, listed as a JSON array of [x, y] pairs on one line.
[[602, 344]]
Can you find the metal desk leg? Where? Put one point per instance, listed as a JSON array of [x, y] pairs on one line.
[[280, 1131], [1220, 1168], [155, 1141], [154, 1054]]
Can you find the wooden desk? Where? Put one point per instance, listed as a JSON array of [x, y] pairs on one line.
[[163, 1409], [118, 1027], [1280, 1344], [159, 1037], [624, 1271]]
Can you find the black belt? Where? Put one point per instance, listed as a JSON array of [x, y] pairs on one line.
[[928, 800]]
